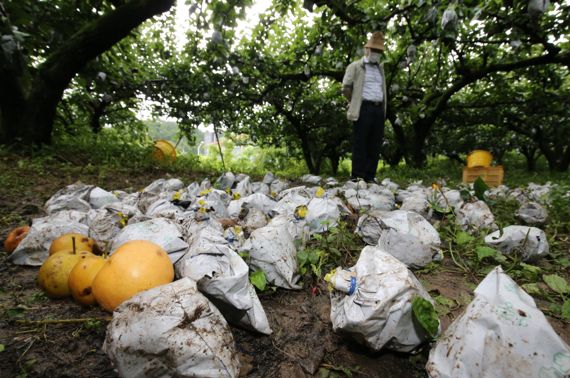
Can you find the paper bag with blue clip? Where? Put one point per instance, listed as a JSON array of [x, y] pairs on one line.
[[376, 310]]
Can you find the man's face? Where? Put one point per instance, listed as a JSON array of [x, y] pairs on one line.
[[368, 50]]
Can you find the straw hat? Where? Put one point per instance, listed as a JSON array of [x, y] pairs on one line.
[[376, 41]]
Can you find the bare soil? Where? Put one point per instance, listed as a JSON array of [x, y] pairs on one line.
[[302, 341]]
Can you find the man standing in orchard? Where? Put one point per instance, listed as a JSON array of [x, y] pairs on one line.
[[364, 85]]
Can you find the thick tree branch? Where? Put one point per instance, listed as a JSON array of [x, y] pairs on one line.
[[14, 75], [471, 76], [96, 38], [354, 16], [349, 14], [486, 105]]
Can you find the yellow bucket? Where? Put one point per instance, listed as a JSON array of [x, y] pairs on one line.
[[164, 151], [479, 158]]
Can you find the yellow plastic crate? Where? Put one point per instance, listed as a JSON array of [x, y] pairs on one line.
[[493, 176]]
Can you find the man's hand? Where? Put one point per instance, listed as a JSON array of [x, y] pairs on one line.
[[347, 92]]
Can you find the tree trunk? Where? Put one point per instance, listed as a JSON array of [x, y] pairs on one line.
[[418, 157], [558, 163], [530, 153], [95, 120], [530, 163], [38, 92], [394, 158], [313, 169], [335, 160]]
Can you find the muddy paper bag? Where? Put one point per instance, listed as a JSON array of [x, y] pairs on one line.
[[223, 276], [33, 250], [272, 249], [161, 231], [530, 242], [378, 313], [171, 331], [501, 334]]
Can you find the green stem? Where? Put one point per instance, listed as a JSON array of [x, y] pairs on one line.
[[462, 267]]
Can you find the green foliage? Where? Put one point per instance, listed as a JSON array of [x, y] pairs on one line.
[[94, 324], [493, 77], [462, 238], [110, 147], [13, 313], [556, 283], [36, 298], [565, 312], [258, 279], [480, 188], [484, 251], [310, 260], [334, 371], [337, 246], [424, 312], [444, 305], [504, 210], [470, 254]]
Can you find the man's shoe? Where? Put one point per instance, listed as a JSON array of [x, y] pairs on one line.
[[372, 181]]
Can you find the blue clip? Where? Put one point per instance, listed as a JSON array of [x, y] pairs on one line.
[[352, 285]]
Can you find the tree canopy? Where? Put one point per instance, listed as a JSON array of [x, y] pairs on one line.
[[461, 74]]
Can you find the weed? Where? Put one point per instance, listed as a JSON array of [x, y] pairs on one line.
[[335, 371], [94, 324], [338, 246], [258, 280], [470, 254], [37, 297]]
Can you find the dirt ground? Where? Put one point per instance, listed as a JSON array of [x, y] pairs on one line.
[[302, 341]]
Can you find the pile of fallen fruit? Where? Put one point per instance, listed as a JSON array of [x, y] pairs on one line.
[[210, 238]]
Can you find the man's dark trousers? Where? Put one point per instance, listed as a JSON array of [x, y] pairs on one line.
[[367, 136]]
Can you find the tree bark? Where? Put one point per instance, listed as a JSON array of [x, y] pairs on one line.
[[335, 160], [29, 100], [95, 120], [530, 153]]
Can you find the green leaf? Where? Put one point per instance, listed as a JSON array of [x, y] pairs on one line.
[[316, 270], [566, 310], [500, 258], [463, 238], [530, 272], [2, 347], [556, 283], [15, 313], [443, 305], [425, 314], [532, 288], [480, 188], [564, 262], [302, 257], [444, 301], [484, 251], [465, 194], [314, 256], [258, 280], [555, 308]]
